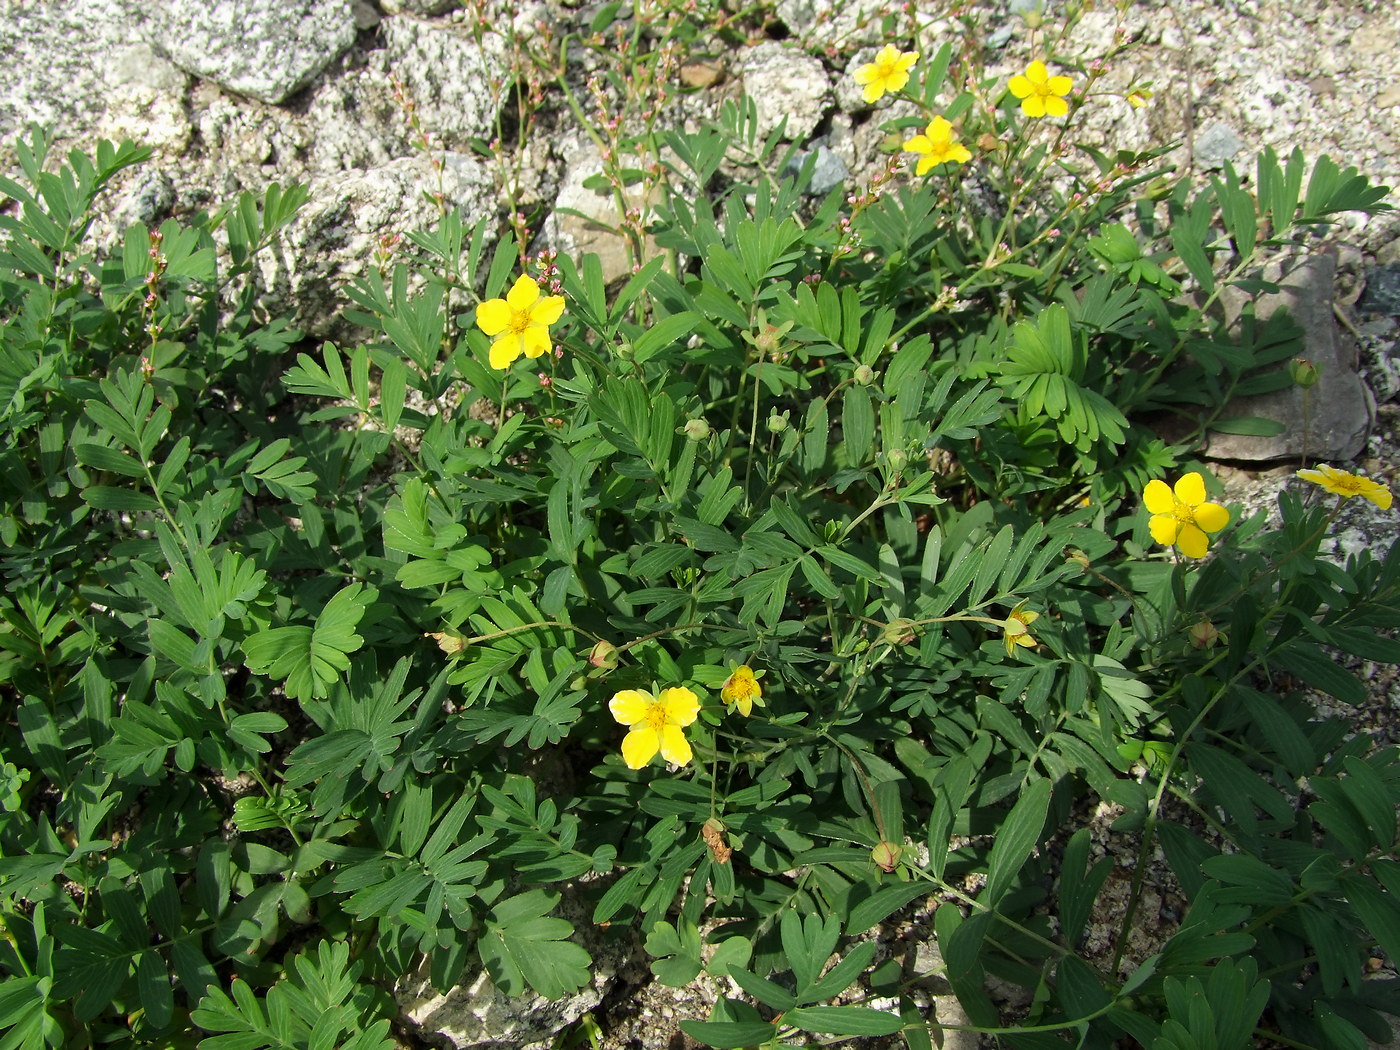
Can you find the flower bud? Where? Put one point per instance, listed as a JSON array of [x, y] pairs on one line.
[[1203, 635], [450, 642], [899, 631], [777, 424], [604, 655], [623, 350], [1304, 372], [696, 430], [886, 856], [898, 458], [864, 375]]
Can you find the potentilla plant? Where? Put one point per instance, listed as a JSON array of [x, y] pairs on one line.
[[825, 569]]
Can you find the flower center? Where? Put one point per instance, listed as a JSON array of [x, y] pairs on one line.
[[519, 321], [655, 718], [1184, 513]]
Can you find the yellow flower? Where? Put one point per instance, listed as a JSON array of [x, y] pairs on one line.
[[519, 323], [1137, 99], [1181, 516], [1040, 93], [889, 72], [1348, 485], [1018, 628], [741, 689], [656, 724], [937, 145]]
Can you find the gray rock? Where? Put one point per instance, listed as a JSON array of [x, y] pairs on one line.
[[265, 49], [1340, 409], [333, 239], [1215, 145], [50, 76], [423, 8], [785, 82], [828, 170], [147, 200], [819, 23], [1382, 294], [447, 76], [586, 220]]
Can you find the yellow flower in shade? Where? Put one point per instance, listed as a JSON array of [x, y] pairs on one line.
[[1041, 94], [519, 323], [741, 689], [1181, 515], [889, 72], [937, 145], [1340, 483], [1018, 628], [656, 724]]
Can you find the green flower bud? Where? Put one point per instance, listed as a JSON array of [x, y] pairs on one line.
[[886, 856], [696, 430], [899, 631], [864, 375], [1304, 372], [898, 458], [777, 424], [604, 655]]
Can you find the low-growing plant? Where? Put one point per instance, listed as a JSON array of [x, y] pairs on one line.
[[820, 568]]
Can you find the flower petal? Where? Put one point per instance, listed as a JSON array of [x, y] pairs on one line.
[[535, 340], [1158, 499], [629, 706], [1060, 85], [1212, 517], [1191, 489], [906, 61], [674, 746], [505, 350], [493, 317], [1020, 86], [1192, 542], [926, 164], [1036, 72], [682, 706], [523, 293], [939, 130], [875, 90], [1055, 106], [639, 746], [547, 310], [744, 705], [1164, 529], [960, 153], [1033, 106], [1379, 495], [918, 144]]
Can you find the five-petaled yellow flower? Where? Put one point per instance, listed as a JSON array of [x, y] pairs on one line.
[[1041, 94], [1182, 516], [937, 145], [741, 689], [519, 323], [1018, 628], [1348, 485], [656, 723], [889, 72]]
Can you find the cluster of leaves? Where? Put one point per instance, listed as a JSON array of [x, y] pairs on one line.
[[301, 710]]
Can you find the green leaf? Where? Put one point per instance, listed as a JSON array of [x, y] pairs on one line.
[[523, 947], [1015, 840], [844, 1020], [311, 659], [729, 1035], [123, 501]]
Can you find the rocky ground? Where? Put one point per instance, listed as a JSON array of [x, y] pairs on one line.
[[235, 94]]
